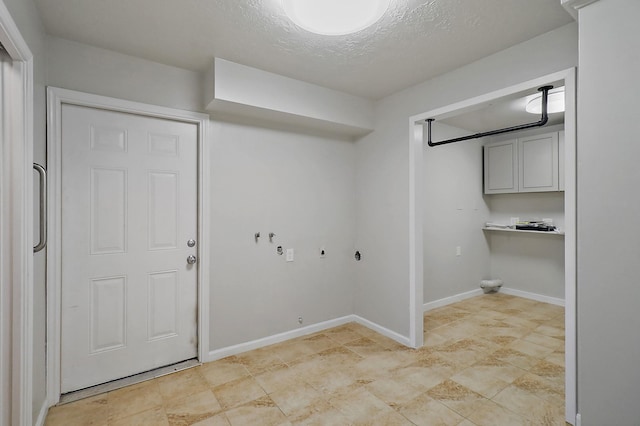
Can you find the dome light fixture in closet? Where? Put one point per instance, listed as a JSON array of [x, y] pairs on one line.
[[555, 102], [335, 17]]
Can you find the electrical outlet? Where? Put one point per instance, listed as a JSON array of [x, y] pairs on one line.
[[458, 251], [290, 255]]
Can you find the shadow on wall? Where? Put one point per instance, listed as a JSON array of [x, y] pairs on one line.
[[456, 252]]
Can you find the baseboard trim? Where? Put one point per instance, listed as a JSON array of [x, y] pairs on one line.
[[314, 328], [451, 299], [532, 296], [404, 340], [506, 290], [276, 338], [42, 415]]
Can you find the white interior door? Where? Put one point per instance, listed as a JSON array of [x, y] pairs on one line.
[[129, 207]]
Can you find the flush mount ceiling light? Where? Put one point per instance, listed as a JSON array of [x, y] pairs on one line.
[[555, 102], [335, 17]]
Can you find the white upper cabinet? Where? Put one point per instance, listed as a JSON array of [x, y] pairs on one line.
[[528, 164], [501, 167], [538, 163]]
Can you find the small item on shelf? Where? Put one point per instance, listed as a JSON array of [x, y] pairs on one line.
[[496, 225], [535, 225]]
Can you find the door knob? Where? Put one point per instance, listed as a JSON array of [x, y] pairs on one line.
[[191, 259]]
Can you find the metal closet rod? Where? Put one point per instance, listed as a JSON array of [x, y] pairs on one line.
[[543, 120]]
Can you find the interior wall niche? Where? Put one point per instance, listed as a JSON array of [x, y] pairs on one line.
[[450, 252], [457, 252]]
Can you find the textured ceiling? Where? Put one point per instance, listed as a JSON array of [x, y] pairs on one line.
[[415, 40]]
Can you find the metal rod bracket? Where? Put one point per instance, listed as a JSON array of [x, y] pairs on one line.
[[544, 118]]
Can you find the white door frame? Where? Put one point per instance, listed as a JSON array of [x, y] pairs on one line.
[[416, 147], [16, 246], [55, 99]]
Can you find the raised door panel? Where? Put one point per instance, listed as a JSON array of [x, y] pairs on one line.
[[501, 167], [163, 305], [107, 314], [108, 209], [163, 210], [538, 163]]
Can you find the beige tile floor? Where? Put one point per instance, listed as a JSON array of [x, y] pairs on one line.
[[493, 360]]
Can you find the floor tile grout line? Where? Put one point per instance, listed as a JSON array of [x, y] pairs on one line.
[[486, 351]]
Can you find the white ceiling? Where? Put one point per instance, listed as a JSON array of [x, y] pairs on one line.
[[415, 41], [500, 113]]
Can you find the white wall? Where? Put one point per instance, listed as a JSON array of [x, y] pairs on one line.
[[533, 263], [382, 294], [237, 89], [528, 262], [26, 16], [608, 206], [299, 186], [77, 66], [527, 206], [454, 214]]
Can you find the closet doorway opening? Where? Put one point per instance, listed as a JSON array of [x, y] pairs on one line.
[[456, 189]]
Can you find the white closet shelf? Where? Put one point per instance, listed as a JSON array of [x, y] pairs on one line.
[[523, 231]]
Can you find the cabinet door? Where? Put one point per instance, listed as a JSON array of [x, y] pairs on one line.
[[538, 163], [501, 167], [561, 160]]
